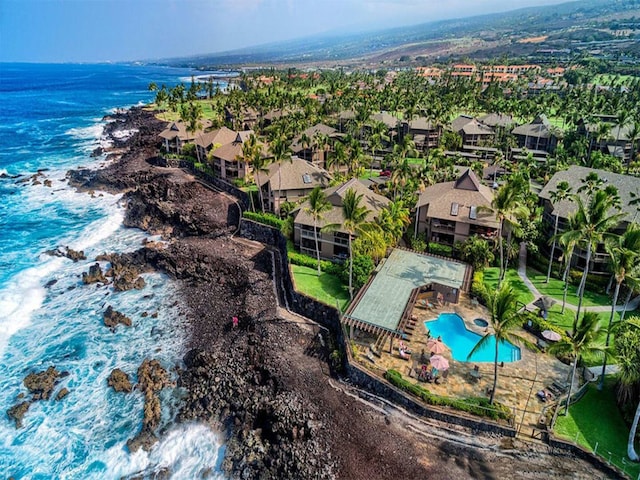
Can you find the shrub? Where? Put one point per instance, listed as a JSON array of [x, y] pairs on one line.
[[362, 268], [297, 258], [475, 405], [537, 324], [478, 288], [419, 244], [442, 250], [265, 218]]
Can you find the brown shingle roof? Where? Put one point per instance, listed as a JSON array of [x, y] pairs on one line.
[[179, 129], [627, 187], [310, 132], [467, 192], [539, 128], [221, 136], [295, 175], [371, 200]]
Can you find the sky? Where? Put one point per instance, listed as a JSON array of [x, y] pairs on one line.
[[127, 30]]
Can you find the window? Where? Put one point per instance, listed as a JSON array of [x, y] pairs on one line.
[[473, 212], [306, 178], [454, 209]]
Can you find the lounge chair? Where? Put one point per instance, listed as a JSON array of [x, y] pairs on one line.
[[475, 373], [542, 345]]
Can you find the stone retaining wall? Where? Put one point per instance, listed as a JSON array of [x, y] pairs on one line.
[[611, 470], [241, 196], [329, 317]]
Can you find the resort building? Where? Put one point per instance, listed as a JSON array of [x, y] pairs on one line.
[[176, 135], [305, 145], [473, 132], [333, 245], [451, 212], [426, 135], [618, 141], [537, 135], [228, 161], [211, 140], [628, 189], [290, 182]]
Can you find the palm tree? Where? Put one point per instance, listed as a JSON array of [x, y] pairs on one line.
[[624, 251], [280, 152], [562, 192], [393, 220], [318, 205], [628, 359], [634, 135], [504, 320], [583, 340], [591, 225], [568, 246], [508, 209], [354, 222]]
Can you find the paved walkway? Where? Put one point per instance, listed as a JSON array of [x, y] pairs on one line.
[[522, 273]]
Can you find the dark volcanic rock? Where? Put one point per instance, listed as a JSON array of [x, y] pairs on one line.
[[41, 384], [18, 411], [152, 378], [62, 393], [67, 252], [112, 318], [94, 275], [119, 381]]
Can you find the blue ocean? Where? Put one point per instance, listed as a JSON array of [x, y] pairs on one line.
[[51, 121]]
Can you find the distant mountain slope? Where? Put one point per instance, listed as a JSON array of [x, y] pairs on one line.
[[498, 28]]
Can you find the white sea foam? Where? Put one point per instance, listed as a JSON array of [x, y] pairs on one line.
[[20, 297], [93, 132], [123, 134], [186, 451]]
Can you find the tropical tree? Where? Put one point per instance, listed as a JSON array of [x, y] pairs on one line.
[[393, 219], [280, 152], [508, 209], [562, 192], [355, 223], [627, 351], [624, 251], [568, 245], [592, 223], [504, 320], [582, 341], [318, 205], [477, 252]]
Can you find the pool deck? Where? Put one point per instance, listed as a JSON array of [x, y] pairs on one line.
[[518, 381]]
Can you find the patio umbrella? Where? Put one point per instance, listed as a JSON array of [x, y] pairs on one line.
[[551, 335], [439, 362], [544, 303], [436, 346]]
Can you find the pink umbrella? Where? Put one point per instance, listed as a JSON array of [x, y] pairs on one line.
[[436, 346], [551, 335], [439, 362]]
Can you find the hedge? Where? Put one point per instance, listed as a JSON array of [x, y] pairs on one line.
[[266, 218], [442, 250], [297, 258], [475, 405], [539, 325], [478, 288]]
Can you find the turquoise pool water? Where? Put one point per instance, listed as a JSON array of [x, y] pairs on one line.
[[461, 341]]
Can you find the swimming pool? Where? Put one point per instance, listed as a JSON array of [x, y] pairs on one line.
[[461, 341]]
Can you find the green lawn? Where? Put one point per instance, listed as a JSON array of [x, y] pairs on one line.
[[326, 288], [555, 289], [587, 425], [491, 281]]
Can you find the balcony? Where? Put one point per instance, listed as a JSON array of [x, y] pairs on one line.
[[445, 227]]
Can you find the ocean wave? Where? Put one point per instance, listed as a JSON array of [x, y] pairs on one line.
[[186, 451], [92, 132]]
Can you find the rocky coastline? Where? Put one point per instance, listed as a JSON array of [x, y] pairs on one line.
[[265, 384]]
